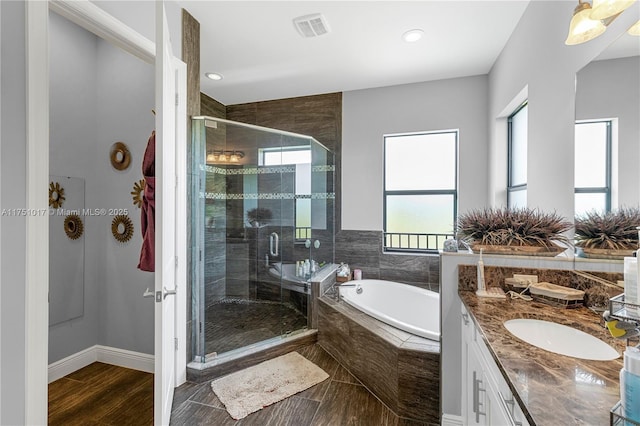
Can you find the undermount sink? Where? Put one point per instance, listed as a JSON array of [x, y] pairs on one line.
[[561, 339]]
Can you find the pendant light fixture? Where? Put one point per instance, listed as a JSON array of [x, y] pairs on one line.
[[603, 9], [224, 156], [582, 28]]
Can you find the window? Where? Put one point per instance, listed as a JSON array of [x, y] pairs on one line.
[[592, 166], [420, 190], [300, 156], [517, 158], [288, 155]]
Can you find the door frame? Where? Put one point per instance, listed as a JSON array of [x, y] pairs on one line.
[[97, 21]]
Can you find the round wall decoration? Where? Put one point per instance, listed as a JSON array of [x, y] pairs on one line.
[[56, 195], [138, 193], [73, 226], [120, 156], [122, 228]]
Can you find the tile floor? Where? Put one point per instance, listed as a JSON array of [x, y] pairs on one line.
[[261, 320], [339, 400]]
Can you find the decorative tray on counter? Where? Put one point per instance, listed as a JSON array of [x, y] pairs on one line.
[[624, 310], [617, 418], [557, 295]]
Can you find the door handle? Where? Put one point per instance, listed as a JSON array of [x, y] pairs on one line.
[[169, 292], [273, 244], [161, 295], [147, 293]]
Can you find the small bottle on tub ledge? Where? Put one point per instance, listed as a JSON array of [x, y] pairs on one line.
[[343, 274]]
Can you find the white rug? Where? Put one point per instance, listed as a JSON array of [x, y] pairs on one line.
[[253, 388]]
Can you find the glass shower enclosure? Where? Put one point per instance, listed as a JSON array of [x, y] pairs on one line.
[[262, 223]]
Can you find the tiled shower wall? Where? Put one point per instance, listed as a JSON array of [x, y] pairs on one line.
[[191, 56], [363, 250]]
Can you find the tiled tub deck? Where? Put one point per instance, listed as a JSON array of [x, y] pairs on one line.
[[401, 369]]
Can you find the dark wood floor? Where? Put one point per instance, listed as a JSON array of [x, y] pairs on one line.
[[339, 400], [102, 394]]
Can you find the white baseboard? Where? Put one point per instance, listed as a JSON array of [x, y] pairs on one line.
[[114, 356], [451, 420], [124, 358], [68, 365]]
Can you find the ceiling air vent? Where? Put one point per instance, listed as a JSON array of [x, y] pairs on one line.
[[311, 25]]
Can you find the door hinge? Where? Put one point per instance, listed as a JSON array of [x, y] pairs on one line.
[[200, 327], [175, 343], [177, 99], [176, 261]]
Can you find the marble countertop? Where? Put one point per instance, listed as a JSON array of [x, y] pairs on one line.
[[552, 389]]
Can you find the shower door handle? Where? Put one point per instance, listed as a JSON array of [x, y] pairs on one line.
[[273, 244]]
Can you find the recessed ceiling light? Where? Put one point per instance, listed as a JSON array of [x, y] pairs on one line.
[[412, 35], [213, 76]]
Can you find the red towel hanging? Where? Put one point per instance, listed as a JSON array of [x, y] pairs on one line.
[[148, 214]]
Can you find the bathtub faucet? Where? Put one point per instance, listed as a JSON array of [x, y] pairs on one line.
[[357, 286]]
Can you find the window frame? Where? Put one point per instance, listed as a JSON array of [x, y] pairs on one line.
[[386, 193], [606, 190], [510, 187], [298, 232]]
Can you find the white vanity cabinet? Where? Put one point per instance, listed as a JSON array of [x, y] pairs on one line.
[[486, 397]]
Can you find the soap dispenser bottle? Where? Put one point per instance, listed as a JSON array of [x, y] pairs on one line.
[[631, 276], [630, 384]]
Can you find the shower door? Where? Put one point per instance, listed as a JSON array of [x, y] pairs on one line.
[[251, 194]]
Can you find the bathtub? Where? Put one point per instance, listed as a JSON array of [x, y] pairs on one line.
[[409, 308]]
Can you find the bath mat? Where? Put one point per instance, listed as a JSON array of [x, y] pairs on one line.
[[253, 388]]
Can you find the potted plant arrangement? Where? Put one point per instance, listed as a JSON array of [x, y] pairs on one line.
[[514, 231], [258, 216], [611, 235]]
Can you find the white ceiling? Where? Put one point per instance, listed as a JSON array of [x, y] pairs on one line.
[[255, 46]]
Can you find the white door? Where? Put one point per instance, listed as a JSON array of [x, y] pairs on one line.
[[165, 222]]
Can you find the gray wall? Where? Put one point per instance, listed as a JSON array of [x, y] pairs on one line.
[[126, 96], [369, 114], [100, 95], [73, 107], [13, 189], [608, 89]]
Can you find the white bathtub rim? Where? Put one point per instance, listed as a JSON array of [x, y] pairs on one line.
[[395, 323], [376, 314]]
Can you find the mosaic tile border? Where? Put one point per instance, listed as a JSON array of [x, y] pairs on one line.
[[262, 170], [267, 196]]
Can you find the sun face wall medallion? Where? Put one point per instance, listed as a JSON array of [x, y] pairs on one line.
[[120, 156], [73, 226], [122, 228], [56, 195], [138, 193]]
